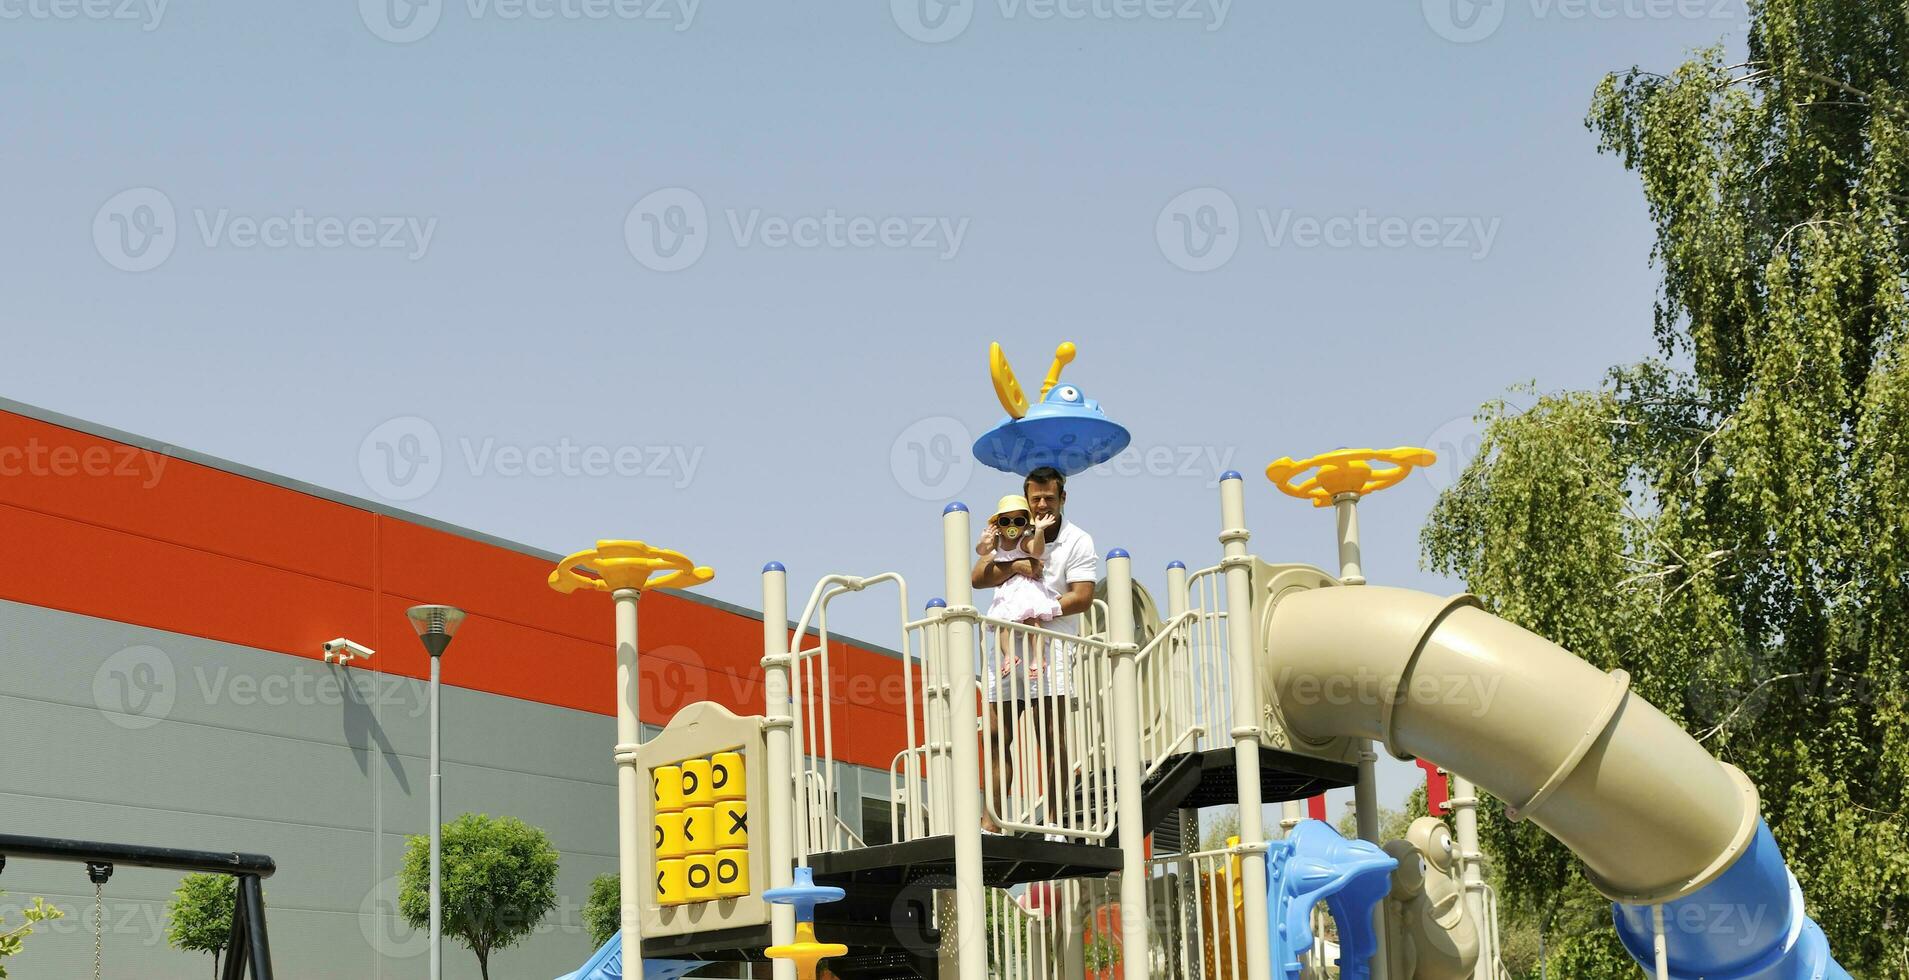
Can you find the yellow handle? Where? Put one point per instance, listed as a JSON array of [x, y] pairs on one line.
[[1346, 471], [805, 951], [627, 565], [1006, 388]]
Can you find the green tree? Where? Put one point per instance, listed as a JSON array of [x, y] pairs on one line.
[[199, 917], [499, 881], [603, 912], [1729, 522], [12, 940]]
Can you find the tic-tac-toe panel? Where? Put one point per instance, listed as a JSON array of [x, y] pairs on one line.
[[704, 869]]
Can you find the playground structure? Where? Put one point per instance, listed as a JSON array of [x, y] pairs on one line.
[[1258, 683]]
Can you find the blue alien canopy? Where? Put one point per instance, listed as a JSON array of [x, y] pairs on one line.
[[1065, 429]]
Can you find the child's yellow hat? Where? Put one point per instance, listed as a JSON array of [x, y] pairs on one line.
[[1011, 503]]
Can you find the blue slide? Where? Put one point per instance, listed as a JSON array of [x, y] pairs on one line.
[[608, 965], [1748, 924]]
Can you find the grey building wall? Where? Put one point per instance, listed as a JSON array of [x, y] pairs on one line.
[[122, 733]]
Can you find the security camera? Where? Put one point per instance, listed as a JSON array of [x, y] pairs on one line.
[[343, 651]]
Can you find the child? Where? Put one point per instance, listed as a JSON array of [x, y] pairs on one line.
[[1012, 535]]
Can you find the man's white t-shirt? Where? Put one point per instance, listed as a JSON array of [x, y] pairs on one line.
[[1069, 558]]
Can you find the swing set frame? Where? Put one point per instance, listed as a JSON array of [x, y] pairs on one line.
[[249, 945]]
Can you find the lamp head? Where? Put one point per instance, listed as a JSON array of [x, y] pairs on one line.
[[435, 625]]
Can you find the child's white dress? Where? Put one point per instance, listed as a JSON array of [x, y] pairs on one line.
[[1021, 599], [1016, 674]]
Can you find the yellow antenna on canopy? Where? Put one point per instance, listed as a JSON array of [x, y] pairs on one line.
[[1063, 356]]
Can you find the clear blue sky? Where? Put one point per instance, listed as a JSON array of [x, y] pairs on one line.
[[501, 282]]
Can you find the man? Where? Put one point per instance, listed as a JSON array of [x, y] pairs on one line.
[[1068, 567]]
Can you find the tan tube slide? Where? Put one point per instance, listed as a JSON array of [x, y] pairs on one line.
[[1652, 815]]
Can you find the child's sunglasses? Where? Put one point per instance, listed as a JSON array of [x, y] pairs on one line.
[[1010, 521]]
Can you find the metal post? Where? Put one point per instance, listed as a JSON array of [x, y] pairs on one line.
[[437, 832], [1134, 956], [252, 900], [1657, 942], [970, 884], [781, 781], [1346, 505], [1365, 792], [1246, 707], [1464, 807], [628, 735]]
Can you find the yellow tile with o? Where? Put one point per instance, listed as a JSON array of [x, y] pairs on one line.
[[699, 871], [672, 835], [672, 882], [726, 777], [732, 873], [732, 824], [696, 779], [666, 786]]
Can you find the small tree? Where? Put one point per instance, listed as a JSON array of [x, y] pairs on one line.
[[199, 918], [12, 939], [499, 881], [603, 913]]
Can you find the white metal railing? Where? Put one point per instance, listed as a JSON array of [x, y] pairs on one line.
[[1200, 928], [811, 700], [1053, 930], [1046, 724]]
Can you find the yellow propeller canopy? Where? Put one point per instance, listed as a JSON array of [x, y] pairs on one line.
[[618, 564], [1346, 471]]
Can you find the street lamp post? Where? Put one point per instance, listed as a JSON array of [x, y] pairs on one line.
[[436, 625]]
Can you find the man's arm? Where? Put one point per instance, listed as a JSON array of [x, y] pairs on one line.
[[1078, 598], [989, 574]]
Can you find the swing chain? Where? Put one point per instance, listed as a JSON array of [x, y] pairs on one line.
[[98, 872]]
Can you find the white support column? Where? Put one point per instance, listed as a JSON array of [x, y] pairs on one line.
[[628, 734], [1127, 773], [1365, 792], [780, 780], [970, 885], [1246, 706], [1660, 951], [1464, 806], [1346, 506]]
